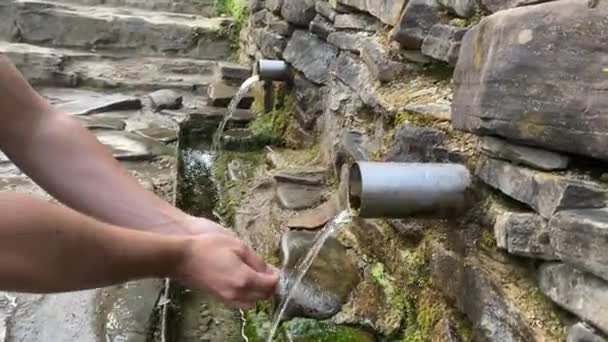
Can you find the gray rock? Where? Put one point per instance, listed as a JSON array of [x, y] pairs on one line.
[[347, 40], [578, 292], [310, 55], [462, 8], [234, 71], [524, 234], [131, 146], [212, 113], [279, 26], [582, 332], [298, 12], [83, 102], [274, 6], [441, 111], [255, 5], [518, 109], [165, 99], [360, 22], [309, 102], [360, 5], [339, 7], [518, 154], [388, 11], [258, 19], [220, 94], [378, 62], [302, 176], [351, 147], [162, 134], [443, 43], [357, 77], [579, 237], [499, 5], [474, 293], [316, 217], [97, 122], [543, 192], [321, 26], [321, 294], [415, 23], [298, 197], [411, 229], [415, 56], [324, 9], [419, 144], [271, 44]]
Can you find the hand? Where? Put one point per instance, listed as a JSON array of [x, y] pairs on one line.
[[225, 266], [186, 224]]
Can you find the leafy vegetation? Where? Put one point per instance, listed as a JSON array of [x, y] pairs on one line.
[[237, 10]]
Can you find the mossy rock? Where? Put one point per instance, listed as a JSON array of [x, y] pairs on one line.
[[308, 330]]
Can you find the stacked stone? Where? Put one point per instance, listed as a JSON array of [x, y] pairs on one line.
[[529, 81]]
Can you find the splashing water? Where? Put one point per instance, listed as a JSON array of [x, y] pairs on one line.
[[244, 89], [330, 229]]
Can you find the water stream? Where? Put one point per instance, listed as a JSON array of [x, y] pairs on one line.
[[330, 229], [244, 89]]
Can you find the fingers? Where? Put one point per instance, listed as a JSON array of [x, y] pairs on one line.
[[253, 260]]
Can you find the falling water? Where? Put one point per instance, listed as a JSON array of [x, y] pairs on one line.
[[330, 229], [244, 89]]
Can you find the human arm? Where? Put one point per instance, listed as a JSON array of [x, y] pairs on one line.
[[46, 247], [65, 159]]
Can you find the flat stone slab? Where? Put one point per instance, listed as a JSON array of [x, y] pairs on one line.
[[579, 238], [524, 234], [209, 112], [220, 95], [161, 134], [165, 99], [315, 218], [83, 102], [310, 55], [582, 332], [436, 110], [131, 146], [544, 192], [303, 176], [298, 197], [576, 291], [94, 122], [524, 155], [233, 71]]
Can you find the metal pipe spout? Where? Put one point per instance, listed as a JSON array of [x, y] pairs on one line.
[[273, 70], [408, 190]]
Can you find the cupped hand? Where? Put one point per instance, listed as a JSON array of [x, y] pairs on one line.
[[225, 266]]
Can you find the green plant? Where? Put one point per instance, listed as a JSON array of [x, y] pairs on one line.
[[237, 10]]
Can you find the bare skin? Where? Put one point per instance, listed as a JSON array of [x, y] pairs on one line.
[[68, 162]]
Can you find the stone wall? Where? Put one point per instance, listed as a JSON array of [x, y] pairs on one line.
[[516, 90]]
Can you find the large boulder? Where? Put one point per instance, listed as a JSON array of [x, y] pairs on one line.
[[415, 23], [543, 192], [535, 74], [310, 55], [579, 238], [578, 292], [581, 332], [524, 155], [298, 12]]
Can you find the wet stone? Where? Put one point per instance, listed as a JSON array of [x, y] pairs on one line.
[[220, 95], [321, 294], [217, 113], [524, 155], [131, 146], [96, 122], [443, 43], [162, 134], [321, 26], [315, 218], [165, 99], [582, 332], [302, 330], [576, 291], [543, 192], [234, 71], [360, 22], [297, 197], [82, 102]]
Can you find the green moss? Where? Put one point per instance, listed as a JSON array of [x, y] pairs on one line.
[[303, 330], [274, 126], [257, 322], [488, 240], [406, 118], [236, 9]]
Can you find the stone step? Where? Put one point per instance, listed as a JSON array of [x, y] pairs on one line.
[[132, 31], [69, 68], [205, 8]]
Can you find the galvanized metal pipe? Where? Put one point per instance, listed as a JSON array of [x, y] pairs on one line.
[[273, 70], [408, 190]]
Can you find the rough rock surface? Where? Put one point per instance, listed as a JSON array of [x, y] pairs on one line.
[[543, 192], [315, 218], [581, 332], [524, 155], [310, 55], [279, 26], [579, 238], [499, 5], [357, 77], [347, 40], [274, 5], [309, 102], [419, 144], [303, 176], [165, 99], [297, 197], [462, 8], [578, 292], [321, 26], [524, 234], [82, 102], [321, 294], [379, 64], [234, 71], [271, 44], [387, 11], [359, 22], [298, 12], [558, 105], [415, 23], [443, 43], [131, 146], [324, 9], [438, 110], [220, 95]]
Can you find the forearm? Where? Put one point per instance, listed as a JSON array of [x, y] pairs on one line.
[[68, 162], [50, 248]]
